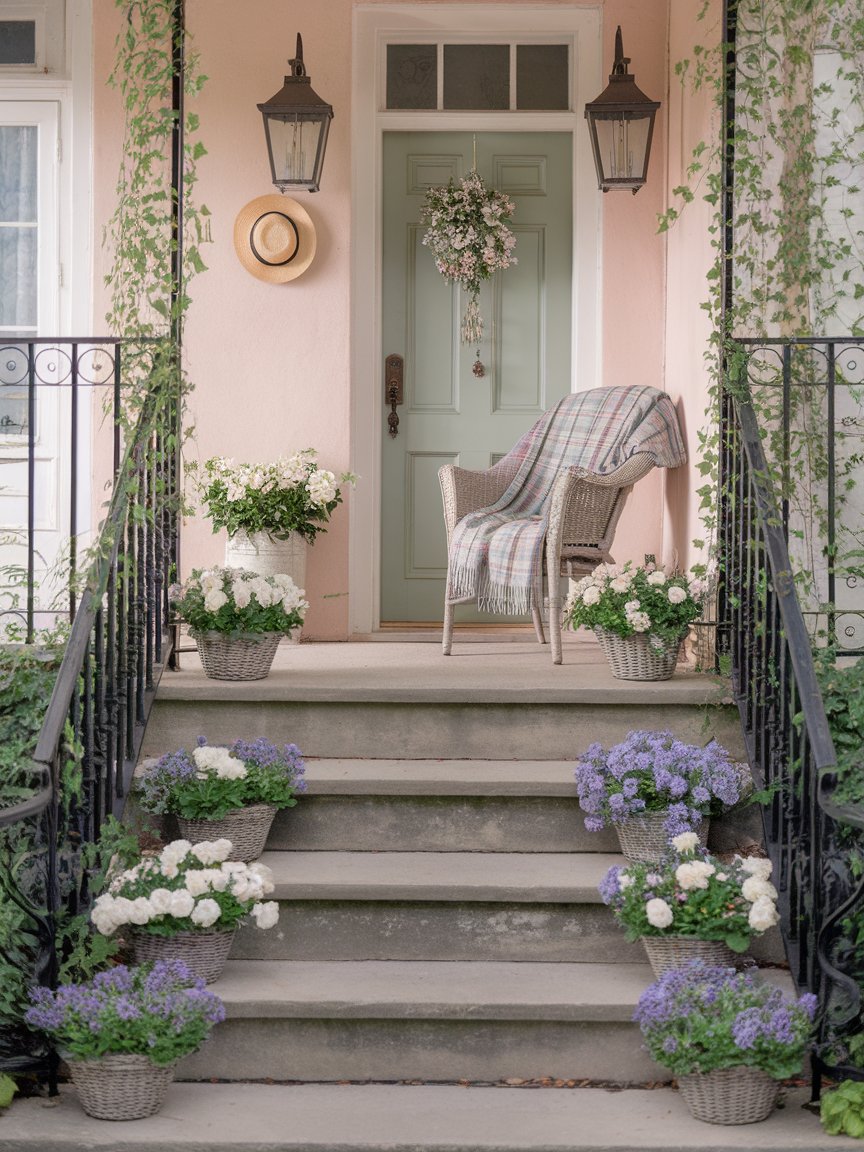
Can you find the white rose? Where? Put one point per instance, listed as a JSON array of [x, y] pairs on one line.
[[757, 866], [205, 913], [694, 874], [266, 915], [685, 842], [214, 600], [763, 914], [591, 595], [632, 606], [182, 903], [242, 593], [659, 913], [657, 577], [640, 621], [621, 584], [677, 595], [196, 882], [160, 901], [755, 888]]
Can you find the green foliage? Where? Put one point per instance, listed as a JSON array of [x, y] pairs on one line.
[[633, 601], [8, 1088], [27, 676], [233, 601], [843, 697], [842, 1110]]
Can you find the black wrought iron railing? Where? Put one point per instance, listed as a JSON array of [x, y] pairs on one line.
[[762, 629], [119, 643]]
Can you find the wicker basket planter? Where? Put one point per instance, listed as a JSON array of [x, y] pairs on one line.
[[736, 1095], [121, 1086], [246, 828], [248, 656], [634, 658], [644, 839], [667, 952], [204, 952]]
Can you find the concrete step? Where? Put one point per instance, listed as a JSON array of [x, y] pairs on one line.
[[429, 1021], [402, 1118], [490, 701], [438, 906]]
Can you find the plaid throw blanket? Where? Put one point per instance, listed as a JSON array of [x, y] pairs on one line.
[[496, 553]]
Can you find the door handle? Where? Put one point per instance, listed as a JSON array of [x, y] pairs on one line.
[[394, 392]]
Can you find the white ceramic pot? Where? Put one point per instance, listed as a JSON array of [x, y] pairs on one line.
[[260, 553]]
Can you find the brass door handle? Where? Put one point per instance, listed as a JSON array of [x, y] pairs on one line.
[[394, 368]]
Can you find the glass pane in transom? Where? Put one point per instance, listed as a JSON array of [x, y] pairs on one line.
[[477, 76], [542, 77], [412, 75], [17, 41]]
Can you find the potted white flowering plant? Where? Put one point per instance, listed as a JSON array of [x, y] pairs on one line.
[[122, 1032], [640, 615], [228, 793], [728, 1037], [185, 904], [469, 238], [271, 510], [237, 618], [692, 905]]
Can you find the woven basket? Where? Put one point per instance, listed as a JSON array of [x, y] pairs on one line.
[[248, 656], [667, 952], [246, 828], [204, 952], [644, 839], [120, 1086], [634, 658], [736, 1095]]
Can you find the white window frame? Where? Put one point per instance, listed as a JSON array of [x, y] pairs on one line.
[[374, 27], [37, 14]]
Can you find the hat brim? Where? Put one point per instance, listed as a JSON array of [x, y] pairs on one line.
[[245, 248]]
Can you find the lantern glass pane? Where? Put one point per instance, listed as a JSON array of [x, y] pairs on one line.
[[294, 144], [477, 76], [622, 143], [543, 76], [412, 75]]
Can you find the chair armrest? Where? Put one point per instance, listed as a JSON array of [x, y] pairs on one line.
[[464, 490], [582, 507]]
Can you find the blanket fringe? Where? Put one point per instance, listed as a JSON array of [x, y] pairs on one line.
[[508, 600]]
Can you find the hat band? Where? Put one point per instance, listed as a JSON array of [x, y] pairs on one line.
[[262, 259]]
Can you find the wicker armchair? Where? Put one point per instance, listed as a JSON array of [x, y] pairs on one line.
[[584, 508]]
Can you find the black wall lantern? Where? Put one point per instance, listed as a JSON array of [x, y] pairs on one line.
[[296, 123], [621, 123]]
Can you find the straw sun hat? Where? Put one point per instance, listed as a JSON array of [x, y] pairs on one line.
[[274, 238]]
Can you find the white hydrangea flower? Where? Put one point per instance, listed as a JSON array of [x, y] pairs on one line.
[[242, 593], [676, 594], [217, 880], [757, 866], [659, 913], [640, 621], [196, 882], [182, 903], [160, 901], [264, 874], [632, 606], [755, 888], [206, 913], [212, 851], [141, 911], [266, 915], [175, 852], [685, 842], [656, 577], [591, 595], [621, 583], [262, 591], [231, 769], [763, 914], [694, 874]]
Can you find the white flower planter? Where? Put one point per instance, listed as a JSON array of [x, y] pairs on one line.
[[260, 553]]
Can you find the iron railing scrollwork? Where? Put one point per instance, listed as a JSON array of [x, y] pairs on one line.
[[119, 643], [762, 630]]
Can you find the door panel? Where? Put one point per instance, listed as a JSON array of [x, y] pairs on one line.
[[449, 415]]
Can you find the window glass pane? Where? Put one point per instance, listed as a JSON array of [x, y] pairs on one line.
[[412, 75], [13, 388], [18, 251], [542, 76], [477, 76], [17, 41], [18, 168]]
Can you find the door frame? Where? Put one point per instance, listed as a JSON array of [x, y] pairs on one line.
[[374, 26]]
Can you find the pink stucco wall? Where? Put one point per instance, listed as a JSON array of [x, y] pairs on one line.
[[271, 364]]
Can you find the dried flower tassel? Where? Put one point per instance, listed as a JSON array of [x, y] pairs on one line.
[[472, 322]]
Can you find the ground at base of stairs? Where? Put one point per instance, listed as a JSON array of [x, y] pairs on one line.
[[397, 1118]]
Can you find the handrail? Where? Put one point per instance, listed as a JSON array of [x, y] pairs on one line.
[[119, 643], [786, 730]]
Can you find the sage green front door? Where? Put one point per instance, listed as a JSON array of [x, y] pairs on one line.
[[450, 415]]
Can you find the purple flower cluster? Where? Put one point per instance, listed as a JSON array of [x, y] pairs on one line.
[[263, 754], [170, 773], [162, 1009], [652, 772], [697, 1018]]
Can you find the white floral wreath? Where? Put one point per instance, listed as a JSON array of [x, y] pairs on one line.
[[468, 234]]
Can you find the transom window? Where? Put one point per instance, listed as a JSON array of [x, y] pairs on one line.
[[499, 76]]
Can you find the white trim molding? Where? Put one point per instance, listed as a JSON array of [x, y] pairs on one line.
[[374, 27]]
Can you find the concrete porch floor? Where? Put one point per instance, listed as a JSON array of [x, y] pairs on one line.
[[507, 666]]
